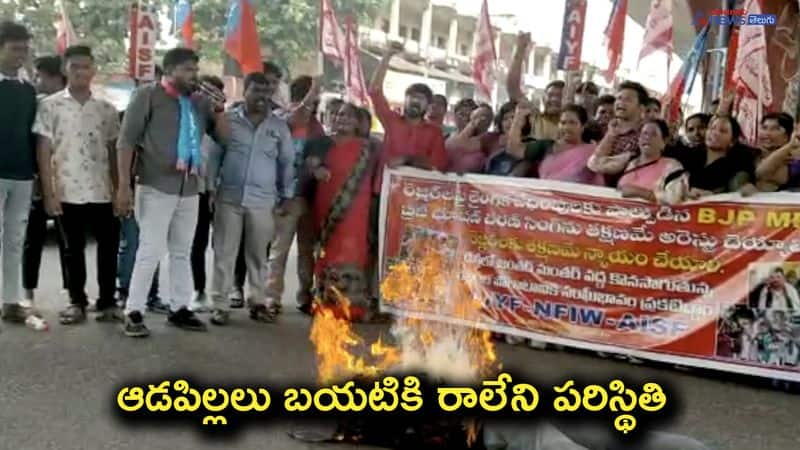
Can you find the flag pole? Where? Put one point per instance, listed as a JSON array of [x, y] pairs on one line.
[[320, 55]]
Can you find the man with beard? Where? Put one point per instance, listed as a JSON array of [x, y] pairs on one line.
[[409, 139], [545, 125], [248, 178], [603, 113], [166, 121], [437, 111]]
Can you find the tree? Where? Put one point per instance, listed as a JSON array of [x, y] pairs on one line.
[[288, 28]]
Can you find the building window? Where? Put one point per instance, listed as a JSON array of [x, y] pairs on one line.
[[403, 31], [385, 25], [440, 42], [539, 58], [415, 34], [464, 50]]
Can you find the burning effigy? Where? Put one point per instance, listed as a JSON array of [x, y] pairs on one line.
[[429, 282]]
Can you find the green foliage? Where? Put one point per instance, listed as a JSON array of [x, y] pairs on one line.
[[288, 28]]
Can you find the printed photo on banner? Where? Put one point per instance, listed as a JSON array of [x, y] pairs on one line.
[[764, 328]]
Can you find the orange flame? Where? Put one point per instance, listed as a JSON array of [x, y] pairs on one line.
[[430, 284]]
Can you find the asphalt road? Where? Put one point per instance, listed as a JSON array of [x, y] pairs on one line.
[[57, 387]]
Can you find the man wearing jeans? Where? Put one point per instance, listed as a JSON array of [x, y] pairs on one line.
[[248, 179], [17, 162], [166, 121]]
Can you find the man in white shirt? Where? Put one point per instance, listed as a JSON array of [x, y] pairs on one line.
[[77, 133]]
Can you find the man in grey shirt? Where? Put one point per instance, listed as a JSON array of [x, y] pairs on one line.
[[248, 179], [166, 121]]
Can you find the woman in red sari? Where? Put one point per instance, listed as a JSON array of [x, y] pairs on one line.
[[343, 165]]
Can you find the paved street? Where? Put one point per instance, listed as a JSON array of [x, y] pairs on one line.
[[56, 388]]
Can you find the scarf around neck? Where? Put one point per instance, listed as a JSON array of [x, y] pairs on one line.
[[189, 157]]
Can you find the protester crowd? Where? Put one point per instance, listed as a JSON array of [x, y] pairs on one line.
[[180, 165]]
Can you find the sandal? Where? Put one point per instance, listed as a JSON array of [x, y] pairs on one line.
[[263, 314], [74, 314]]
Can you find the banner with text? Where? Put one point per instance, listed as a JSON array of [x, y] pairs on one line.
[[709, 284]]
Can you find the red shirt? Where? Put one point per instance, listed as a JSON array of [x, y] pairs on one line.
[[404, 139]]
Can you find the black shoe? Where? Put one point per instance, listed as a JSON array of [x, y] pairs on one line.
[[134, 325], [185, 319], [306, 309]]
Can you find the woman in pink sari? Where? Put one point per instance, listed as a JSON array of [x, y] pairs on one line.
[[564, 159], [648, 175]]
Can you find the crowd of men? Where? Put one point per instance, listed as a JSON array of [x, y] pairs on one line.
[[180, 162]]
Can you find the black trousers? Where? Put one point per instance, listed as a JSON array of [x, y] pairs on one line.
[[98, 220], [240, 271], [200, 244], [35, 237]]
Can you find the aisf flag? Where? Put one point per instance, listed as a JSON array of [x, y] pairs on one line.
[[184, 23], [143, 37], [658, 30], [65, 34], [242, 47], [356, 87]]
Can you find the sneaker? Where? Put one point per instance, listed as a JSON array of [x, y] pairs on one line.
[[236, 298], [186, 320], [134, 325], [156, 306], [260, 313], [220, 317], [110, 315], [73, 315], [14, 313], [200, 303]]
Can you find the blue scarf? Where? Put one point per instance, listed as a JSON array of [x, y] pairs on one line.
[[189, 157]]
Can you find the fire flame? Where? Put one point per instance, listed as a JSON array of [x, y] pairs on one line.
[[429, 284]]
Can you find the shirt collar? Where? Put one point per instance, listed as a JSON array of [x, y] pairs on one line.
[[66, 94], [238, 111]]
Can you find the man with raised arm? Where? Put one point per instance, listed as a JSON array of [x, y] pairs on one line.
[[545, 125], [409, 139]]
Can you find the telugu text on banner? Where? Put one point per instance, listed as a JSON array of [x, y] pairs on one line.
[[709, 284]]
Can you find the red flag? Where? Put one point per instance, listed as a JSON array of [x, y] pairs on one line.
[[751, 74], [332, 42], [614, 36], [184, 22], [484, 55], [65, 34], [569, 57], [730, 61], [242, 47], [658, 29], [356, 87]]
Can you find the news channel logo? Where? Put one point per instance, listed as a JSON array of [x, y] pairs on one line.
[[733, 17]]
